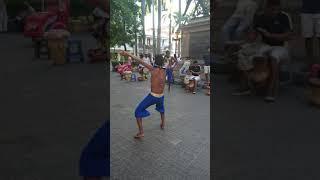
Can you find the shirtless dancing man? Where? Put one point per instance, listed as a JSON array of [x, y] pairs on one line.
[[156, 96]]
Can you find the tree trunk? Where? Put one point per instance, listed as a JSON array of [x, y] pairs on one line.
[[124, 27], [179, 14], [170, 44], [136, 43], [153, 31], [125, 47], [159, 28], [143, 8], [135, 35], [179, 27]]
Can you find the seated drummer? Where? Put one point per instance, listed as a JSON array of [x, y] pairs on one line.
[[194, 76]]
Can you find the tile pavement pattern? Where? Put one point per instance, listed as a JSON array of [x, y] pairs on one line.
[[181, 151]]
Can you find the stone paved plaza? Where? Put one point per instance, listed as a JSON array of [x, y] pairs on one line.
[[181, 151]]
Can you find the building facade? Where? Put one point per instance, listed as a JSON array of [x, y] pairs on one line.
[[195, 39]]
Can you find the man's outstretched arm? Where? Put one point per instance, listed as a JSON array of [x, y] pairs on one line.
[[140, 61]]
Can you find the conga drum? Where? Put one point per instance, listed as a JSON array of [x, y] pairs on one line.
[[261, 71], [313, 91]]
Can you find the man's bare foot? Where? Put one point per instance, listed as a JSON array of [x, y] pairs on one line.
[[162, 125], [139, 135]]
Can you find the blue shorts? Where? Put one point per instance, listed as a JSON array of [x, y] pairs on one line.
[[95, 157], [141, 110], [169, 73]]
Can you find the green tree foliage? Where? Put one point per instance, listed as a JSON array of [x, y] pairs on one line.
[[202, 7], [124, 23], [180, 18]]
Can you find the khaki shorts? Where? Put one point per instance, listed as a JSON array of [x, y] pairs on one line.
[[310, 25], [206, 69], [191, 77], [280, 53]]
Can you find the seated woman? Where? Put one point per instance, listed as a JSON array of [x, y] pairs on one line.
[[125, 69]]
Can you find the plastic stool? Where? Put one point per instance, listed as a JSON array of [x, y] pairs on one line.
[[74, 51], [133, 77]]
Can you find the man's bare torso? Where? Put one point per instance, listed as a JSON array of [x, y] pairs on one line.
[[158, 78]]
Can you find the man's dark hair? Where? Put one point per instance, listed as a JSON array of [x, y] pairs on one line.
[[141, 55], [195, 62], [158, 60]]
